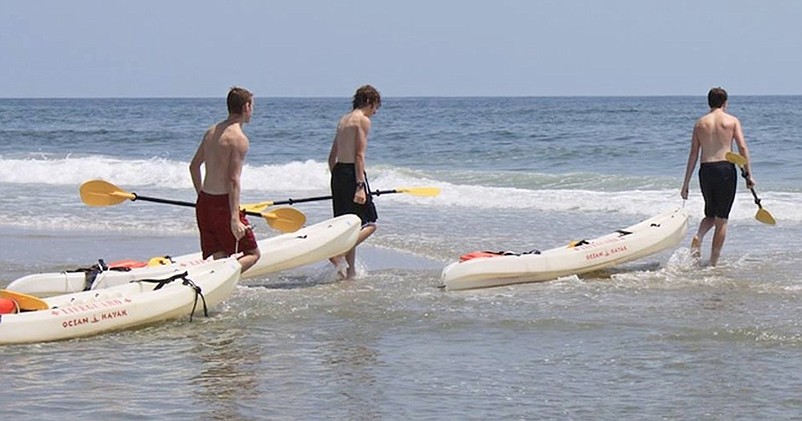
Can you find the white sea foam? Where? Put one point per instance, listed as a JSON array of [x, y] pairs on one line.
[[312, 178], [296, 175]]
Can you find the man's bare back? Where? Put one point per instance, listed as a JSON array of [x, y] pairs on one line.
[[352, 132], [224, 145], [714, 133]]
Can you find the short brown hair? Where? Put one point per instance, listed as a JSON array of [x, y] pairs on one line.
[[237, 98], [367, 95], [716, 97]]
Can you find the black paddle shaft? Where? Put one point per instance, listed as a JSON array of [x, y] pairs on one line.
[[280, 202], [178, 202], [318, 198], [746, 177]]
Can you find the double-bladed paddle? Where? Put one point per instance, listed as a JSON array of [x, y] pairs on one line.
[[762, 215], [103, 193], [414, 191]]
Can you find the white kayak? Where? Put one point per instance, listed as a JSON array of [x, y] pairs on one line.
[[490, 269], [308, 245], [122, 307]]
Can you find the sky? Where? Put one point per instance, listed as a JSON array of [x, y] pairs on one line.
[[328, 48]]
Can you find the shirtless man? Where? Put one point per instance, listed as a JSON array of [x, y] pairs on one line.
[[349, 183], [712, 139], [224, 230]]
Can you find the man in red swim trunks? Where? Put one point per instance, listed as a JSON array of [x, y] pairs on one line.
[[224, 230]]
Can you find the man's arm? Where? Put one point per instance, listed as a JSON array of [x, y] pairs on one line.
[[740, 141], [693, 155], [333, 153], [195, 166], [236, 160], [360, 147]]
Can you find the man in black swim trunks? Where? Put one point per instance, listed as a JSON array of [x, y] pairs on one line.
[[712, 138], [349, 183]]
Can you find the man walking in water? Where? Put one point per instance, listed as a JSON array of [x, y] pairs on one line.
[[349, 183], [712, 138], [224, 229]]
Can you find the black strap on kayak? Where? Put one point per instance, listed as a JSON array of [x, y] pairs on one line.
[[198, 293], [186, 281], [584, 242], [91, 273], [162, 282]]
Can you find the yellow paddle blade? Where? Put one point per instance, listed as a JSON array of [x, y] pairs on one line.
[[735, 158], [256, 207], [26, 302], [765, 217], [285, 219], [103, 193], [420, 191]]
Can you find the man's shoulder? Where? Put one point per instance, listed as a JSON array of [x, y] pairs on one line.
[[732, 118], [353, 120], [703, 120]]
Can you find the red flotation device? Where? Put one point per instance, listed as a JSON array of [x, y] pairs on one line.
[[128, 263], [478, 255], [486, 254], [8, 306]]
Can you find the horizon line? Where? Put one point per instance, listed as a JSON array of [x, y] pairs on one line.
[[395, 96]]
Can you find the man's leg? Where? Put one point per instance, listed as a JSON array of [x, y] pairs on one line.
[[696, 242], [248, 259], [718, 240], [350, 257]]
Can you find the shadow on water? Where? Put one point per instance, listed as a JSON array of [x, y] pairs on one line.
[[295, 281], [631, 268]]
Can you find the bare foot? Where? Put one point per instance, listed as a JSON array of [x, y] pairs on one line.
[[696, 248], [341, 266]]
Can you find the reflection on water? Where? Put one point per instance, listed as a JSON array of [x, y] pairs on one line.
[[352, 361], [227, 375]]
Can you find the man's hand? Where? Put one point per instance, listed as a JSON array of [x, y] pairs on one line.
[[360, 196], [239, 229]]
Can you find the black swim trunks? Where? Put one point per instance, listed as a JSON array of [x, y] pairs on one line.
[[718, 181], [343, 188]]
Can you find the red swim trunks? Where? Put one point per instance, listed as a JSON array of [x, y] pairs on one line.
[[214, 223]]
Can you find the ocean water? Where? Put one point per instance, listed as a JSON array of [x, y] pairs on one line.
[[654, 339]]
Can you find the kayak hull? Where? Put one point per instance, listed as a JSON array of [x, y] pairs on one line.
[[126, 306], [308, 245], [632, 243]]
